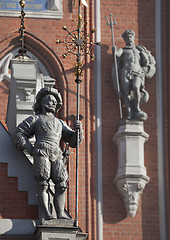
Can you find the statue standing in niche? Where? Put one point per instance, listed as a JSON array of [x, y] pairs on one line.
[[47, 154], [134, 63]]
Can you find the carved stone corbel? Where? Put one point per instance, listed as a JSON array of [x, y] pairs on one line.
[[131, 176], [130, 189]]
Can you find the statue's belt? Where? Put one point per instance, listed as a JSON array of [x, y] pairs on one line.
[[133, 74], [44, 149]]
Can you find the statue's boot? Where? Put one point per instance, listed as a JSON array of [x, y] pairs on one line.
[[128, 108], [59, 203], [129, 112], [44, 201], [141, 116]]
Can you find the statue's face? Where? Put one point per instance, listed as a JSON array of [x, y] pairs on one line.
[[49, 103], [129, 39]]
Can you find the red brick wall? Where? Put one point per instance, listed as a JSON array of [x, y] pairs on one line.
[[14, 203], [40, 38], [138, 16], [4, 91]]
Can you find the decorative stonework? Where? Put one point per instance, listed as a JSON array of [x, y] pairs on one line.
[[52, 9], [131, 175], [131, 188]]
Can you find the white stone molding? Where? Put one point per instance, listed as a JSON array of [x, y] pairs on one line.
[[4, 66], [54, 11], [131, 175], [15, 227]]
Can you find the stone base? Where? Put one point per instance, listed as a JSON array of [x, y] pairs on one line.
[[59, 229], [131, 188], [131, 177]]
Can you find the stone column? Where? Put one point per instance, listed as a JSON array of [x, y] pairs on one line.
[[131, 176]]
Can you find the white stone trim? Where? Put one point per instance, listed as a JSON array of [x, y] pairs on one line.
[[15, 227], [55, 11]]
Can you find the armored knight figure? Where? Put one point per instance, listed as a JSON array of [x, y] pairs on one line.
[[47, 154], [135, 63]]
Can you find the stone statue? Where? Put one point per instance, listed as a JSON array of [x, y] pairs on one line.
[[48, 157], [134, 64]]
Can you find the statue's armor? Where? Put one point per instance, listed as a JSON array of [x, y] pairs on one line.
[[48, 157]]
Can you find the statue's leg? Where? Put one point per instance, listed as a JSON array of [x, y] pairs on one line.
[[60, 177], [136, 84], [126, 86], [42, 168], [59, 202], [44, 199], [138, 115]]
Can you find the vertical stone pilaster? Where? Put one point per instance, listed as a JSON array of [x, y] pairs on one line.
[[22, 91]]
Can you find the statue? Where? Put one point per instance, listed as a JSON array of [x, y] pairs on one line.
[[134, 64], [49, 162]]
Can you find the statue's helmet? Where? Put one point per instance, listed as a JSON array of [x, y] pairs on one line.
[[42, 93], [128, 32]]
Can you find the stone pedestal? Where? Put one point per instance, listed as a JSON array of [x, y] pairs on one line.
[[131, 176], [59, 229]]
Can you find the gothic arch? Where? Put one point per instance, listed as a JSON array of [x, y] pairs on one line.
[[47, 57]]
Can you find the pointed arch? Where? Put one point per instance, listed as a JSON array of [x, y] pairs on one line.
[[45, 54]]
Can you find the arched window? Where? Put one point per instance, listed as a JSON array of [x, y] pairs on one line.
[[5, 61]]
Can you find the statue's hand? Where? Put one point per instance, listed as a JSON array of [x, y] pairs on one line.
[[29, 148], [113, 49], [77, 125], [117, 53]]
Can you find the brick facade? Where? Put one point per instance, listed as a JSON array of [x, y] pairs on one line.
[[145, 225], [40, 39]]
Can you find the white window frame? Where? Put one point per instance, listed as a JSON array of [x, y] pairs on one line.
[[54, 11]]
